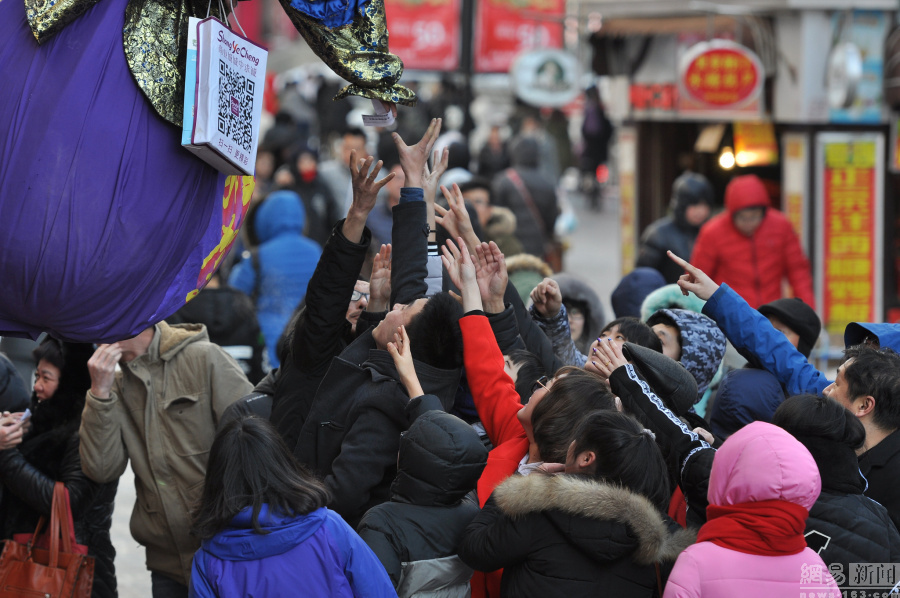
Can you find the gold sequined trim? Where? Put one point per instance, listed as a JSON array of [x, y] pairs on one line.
[[155, 40], [48, 17], [357, 52]]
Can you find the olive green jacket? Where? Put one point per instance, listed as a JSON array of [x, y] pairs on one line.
[[162, 414]]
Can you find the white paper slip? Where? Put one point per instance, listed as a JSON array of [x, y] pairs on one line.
[[383, 117]]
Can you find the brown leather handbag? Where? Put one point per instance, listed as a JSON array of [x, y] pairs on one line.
[[58, 571]]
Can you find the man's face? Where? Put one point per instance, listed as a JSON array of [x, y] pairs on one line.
[[747, 221], [668, 336], [481, 201], [838, 389], [697, 214], [350, 143], [781, 327], [358, 305], [401, 315], [134, 347]]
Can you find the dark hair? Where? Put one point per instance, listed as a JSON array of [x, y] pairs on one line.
[[531, 368], [626, 455], [573, 395], [820, 417], [475, 183], [354, 132], [636, 332], [876, 373], [434, 334], [50, 351], [459, 156], [251, 466]]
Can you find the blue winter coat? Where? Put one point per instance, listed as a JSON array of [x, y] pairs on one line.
[[310, 555], [287, 261], [748, 329]]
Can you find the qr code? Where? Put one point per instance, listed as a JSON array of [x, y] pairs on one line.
[[236, 105]]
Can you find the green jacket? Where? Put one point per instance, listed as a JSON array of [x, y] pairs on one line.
[[162, 414]]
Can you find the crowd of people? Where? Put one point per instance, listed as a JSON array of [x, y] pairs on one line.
[[409, 401]]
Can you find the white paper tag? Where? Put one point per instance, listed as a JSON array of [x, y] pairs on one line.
[[382, 117]]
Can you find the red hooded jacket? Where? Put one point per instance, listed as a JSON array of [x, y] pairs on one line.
[[753, 266]]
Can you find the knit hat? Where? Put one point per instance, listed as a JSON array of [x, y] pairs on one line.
[[634, 287], [799, 317]]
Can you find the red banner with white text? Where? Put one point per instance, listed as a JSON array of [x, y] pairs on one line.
[[425, 34], [504, 28]]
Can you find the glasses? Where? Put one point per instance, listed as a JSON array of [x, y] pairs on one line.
[[540, 383], [357, 295]]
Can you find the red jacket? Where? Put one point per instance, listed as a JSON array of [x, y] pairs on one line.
[[753, 266], [497, 403]]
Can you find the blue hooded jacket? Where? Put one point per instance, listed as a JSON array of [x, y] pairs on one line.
[[287, 261], [888, 334], [313, 555]]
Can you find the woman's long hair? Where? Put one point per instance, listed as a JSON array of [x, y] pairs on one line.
[[249, 466]]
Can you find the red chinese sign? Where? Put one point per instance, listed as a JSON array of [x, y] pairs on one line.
[[425, 34], [720, 76], [850, 216], [504, 28], [653, 96]]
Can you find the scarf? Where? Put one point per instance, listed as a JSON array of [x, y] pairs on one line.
[[765, 528]]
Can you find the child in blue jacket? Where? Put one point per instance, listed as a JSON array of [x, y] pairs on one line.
[[265, 530]]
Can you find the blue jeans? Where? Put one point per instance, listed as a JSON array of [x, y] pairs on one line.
[[166, 587]]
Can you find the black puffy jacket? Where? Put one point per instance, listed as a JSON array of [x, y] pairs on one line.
[[318, 333], [49, 453], [844, 526], [567, 536], [415, 535]]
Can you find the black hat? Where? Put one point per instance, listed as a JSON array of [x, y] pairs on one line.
[[799, 317], [667, 378]]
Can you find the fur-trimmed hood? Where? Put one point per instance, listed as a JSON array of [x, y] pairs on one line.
[[502, 222], [561, 497]]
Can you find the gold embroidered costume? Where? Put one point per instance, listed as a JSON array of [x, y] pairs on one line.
[[155, 34]]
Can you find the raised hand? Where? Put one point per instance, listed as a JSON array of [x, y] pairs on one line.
[[365, 194], [102, 367], [605, 358], [380, 281], [456, 219], [694, 280], [491, 276], [414, 158], [431, 177], [458, 264], [547, 298], [403, 360]]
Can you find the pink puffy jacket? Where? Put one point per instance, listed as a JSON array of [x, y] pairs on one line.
[[759, 462]]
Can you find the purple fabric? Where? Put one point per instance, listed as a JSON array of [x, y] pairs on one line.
[[105, 219]]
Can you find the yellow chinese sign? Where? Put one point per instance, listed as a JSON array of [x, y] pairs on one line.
[[850, 222], [626, 144]]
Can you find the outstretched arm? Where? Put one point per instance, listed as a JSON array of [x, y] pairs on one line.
[[320, 328], [456, 219], [748, 329], [410, 270]]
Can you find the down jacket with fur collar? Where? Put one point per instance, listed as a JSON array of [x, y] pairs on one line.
[[568, 536]]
